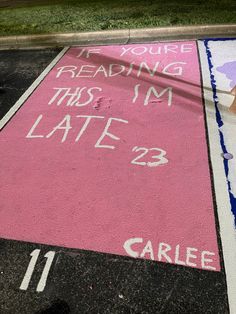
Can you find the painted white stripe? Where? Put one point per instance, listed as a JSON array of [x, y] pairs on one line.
[[30, 269], [42, 282], [29, 91], [226, 218]]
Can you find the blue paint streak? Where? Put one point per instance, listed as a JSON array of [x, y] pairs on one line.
[[220, 124], [218, 39]]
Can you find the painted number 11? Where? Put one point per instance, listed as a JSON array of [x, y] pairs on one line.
[[30, 269]]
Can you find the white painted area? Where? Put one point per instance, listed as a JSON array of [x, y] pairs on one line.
[[136, 91], [124, 69], [221, 55], [152, 92], [86, 123], [29, 91], [106, 133], [226, 219], [30, 269], [161, 159], [74, 94], [31, 131], [164, 252], [42, 282], [66, 124], [86, 52], [157, 50], [63, 125]]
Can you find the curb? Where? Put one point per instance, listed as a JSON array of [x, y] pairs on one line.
[[126, 36]]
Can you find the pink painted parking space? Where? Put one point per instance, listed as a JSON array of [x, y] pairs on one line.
[[109, 154]]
